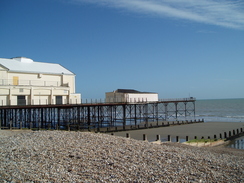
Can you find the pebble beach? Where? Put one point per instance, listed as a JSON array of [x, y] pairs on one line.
[[62, 156]]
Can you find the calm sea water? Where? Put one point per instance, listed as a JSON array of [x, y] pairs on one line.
[[225, 110]]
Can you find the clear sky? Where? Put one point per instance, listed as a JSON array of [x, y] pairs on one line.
[[177, 48]]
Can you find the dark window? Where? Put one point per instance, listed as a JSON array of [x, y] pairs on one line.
[[21, 100], [59, 100]]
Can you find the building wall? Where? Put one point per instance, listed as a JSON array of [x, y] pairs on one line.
[[142, 97], [37, 88], [131, 97], [115, 97]]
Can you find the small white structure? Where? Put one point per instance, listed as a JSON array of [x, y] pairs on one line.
[[26, 82], [132, 96]]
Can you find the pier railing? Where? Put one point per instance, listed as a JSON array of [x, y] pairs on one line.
[[97, 101]]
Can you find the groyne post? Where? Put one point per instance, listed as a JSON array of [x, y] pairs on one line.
[[169, 138], [225, 135], [144, 137], [177, 139], [158, 138], [127, 135]]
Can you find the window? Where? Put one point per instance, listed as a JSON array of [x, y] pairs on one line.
[[15, 80]]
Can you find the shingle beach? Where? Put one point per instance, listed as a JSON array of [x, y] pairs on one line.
[[62, 156]]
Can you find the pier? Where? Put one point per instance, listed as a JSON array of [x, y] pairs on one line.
[[96, 115]]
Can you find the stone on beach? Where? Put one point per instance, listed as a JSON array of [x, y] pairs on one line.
[[61, 156]]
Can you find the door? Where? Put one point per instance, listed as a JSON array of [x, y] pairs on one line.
[[59, 100], [21, 100]]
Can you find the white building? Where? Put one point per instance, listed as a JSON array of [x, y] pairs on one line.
[[26, 82], [128, 95]]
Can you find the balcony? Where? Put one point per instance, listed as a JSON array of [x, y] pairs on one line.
[[13, 82]]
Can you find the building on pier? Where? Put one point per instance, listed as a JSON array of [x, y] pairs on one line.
[[27, 82], [131, 96]]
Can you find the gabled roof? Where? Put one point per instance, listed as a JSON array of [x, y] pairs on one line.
[[26, 65]]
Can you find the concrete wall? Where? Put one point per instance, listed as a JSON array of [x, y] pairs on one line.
[[37, 88], [142, 97], [131, 97]]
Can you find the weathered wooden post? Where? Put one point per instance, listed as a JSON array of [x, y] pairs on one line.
[[158, 138], [225, 135], [187, 138], [220, 135], [169, 138], [112, 133], [215, 137], [195, 137], [127, 135], [177, 138], [144, 137], [234, 132], [229, 133]]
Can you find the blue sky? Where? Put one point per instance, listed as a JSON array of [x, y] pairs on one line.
[[177, 48]]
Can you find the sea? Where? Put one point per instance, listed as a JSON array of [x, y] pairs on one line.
[[225, 110], [222, 110]]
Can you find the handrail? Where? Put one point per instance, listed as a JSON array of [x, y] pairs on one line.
[[9, 82]]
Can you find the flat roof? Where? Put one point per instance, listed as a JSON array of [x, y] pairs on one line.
[[130, 91]]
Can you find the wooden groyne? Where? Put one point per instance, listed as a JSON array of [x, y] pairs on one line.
[[182, 133]]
